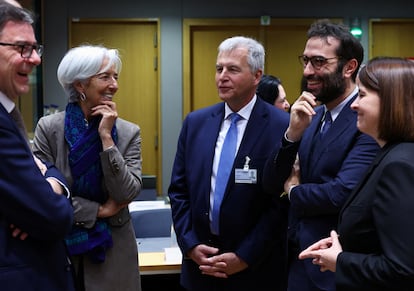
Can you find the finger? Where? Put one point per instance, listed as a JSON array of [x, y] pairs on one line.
[[220, 265], [216, 274], [16, 232], [23, 236], [308, 108], [309, 97], [303, 107], [334, 238], [306, 254], [220, 275]]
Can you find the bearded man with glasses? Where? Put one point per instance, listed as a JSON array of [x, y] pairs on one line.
[[322, 155]]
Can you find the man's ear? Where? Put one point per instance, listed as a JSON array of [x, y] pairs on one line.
[[350, 67], [258, 76]]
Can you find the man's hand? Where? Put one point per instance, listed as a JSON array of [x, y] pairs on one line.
[[223, 265], [301, 114], [18, 233], [42, 167], [294, 178], [57, 188]]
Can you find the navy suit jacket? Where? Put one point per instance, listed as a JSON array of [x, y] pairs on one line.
[[376, 226], [329, 170], [252, 222], [27, 201]]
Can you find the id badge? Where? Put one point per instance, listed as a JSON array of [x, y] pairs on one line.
[[246, 175]]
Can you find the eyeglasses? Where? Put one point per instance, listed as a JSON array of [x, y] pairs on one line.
[[316, 61], [26, 49]]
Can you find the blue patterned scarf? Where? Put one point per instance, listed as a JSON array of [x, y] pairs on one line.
[[84, 160]]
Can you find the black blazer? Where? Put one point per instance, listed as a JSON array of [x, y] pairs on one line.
[[376, 226]]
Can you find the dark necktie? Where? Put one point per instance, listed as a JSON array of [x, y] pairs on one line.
[[17, 117], [225, 166], [327, 124]]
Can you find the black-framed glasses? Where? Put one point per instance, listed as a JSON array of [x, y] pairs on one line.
[[26, 49], [316, 61]]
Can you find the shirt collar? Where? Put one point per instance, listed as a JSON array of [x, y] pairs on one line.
[[335, 111], [244, 112], [6, 102]]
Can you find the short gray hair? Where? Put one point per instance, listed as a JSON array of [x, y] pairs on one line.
[[83, 62], [256, 52]]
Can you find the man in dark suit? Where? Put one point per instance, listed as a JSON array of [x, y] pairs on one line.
[[35, 212], [332, 153], [245, 250]]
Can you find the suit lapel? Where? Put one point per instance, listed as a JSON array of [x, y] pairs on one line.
[[309, 142], [210, 128], [258, 121], [343, 122]]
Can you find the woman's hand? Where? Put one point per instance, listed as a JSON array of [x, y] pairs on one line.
[[324, 252], [109, 115], [110, 208]]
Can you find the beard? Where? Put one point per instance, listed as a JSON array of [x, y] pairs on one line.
[[333, 86]]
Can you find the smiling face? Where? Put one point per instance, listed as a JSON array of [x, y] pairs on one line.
[[281, 101], [15, 70], [235, 81], [326, 82], [101, 87], [367, 105]]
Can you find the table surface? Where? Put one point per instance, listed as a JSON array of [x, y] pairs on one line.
[[152, 256]]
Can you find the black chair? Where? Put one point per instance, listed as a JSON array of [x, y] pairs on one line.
[[152, 222], [149, 188]]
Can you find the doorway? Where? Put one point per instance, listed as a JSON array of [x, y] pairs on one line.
[[138, 96]]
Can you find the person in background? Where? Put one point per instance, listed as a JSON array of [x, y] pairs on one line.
[[331, 153], [375, 250], [100, 155], [35, 212], [270, 89], [240, 243]]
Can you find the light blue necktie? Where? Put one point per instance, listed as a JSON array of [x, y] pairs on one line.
[[224, 169], [327, 124]]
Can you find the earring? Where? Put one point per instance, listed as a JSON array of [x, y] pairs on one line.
[[82, 96]]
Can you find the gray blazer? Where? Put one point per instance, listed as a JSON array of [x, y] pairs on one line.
[[121, 167]]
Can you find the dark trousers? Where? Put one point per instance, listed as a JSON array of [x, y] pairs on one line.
[[298, 279]]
